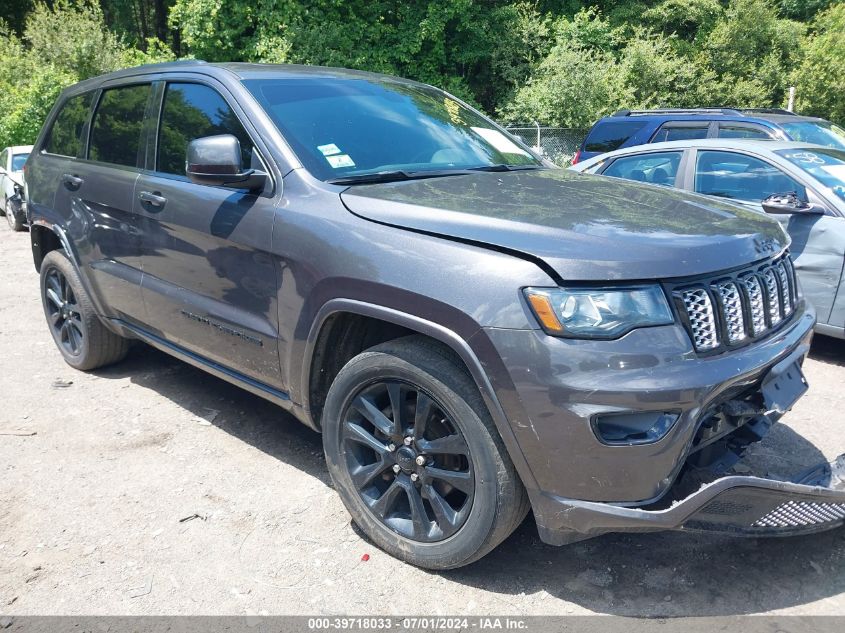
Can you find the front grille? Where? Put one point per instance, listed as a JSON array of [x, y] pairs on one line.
[[802, 514], [735, 308]]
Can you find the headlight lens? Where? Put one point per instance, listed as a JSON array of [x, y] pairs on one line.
[[599, 312]]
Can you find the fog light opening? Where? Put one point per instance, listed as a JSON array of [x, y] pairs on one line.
[[629, 429]]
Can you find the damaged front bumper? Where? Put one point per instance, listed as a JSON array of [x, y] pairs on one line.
[[737, 505]]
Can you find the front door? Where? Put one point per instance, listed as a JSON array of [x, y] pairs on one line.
[[749, 180], [209, 281]]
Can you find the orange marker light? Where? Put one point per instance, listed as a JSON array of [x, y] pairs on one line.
[[542, 307]]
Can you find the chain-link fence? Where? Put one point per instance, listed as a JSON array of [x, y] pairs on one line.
[[558, 144]]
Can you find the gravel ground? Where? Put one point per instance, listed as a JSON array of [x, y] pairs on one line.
[[152, 488]]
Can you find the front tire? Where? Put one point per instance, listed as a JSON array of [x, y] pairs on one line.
[[416, 458], [14, 220], [83, 340]]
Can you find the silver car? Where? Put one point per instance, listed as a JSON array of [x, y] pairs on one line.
[[803, 185], [12, 160]]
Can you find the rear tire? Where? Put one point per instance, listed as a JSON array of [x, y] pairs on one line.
[[83, 340], [442, 421]]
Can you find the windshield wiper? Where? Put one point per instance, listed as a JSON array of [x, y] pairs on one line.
[[395, 176], [503, 167]]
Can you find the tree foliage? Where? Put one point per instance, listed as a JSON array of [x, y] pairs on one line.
[[563, 62]]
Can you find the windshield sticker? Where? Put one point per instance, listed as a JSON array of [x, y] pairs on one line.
[[328, 150], [808, 158], [499, 141], [340, 160]]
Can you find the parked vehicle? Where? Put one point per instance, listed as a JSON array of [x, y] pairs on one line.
[[473, 332], [750, 173], [628, 128], [12, 186]]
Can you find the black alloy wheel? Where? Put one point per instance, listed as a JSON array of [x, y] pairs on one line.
[[408, 461], [63, 313]]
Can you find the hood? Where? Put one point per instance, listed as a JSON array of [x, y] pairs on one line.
[[586, 228]]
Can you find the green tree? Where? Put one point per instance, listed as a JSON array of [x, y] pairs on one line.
[[820, 79]]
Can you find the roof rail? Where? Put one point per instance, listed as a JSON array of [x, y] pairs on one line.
[[732, 111], [767, 111]]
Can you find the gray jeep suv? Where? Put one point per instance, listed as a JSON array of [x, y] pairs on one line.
[[474, 333]]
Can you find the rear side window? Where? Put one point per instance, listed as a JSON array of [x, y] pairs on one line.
[[659, 168], [117, 125], [65, 136], [193, 111], [740, 131], [680, 133], [610, 135]]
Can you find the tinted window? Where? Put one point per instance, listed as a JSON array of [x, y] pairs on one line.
[[738, 131], [607, 136], [18, 160], [192, 111], [65, 136], [659, 168], [350, 127], [680, 133], [741, 177], [116, 130]]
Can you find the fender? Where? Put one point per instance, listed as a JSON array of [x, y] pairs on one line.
[[436, 331], [38, 256]]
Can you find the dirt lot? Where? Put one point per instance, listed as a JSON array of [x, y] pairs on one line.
[[98, 479]]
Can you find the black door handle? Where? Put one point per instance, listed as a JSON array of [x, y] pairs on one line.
[[72, 182], [153, 199]]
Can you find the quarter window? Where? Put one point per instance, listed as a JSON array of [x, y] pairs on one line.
[[116, 130], [65, 137], [659, 168], [193, 111], [741, 177]]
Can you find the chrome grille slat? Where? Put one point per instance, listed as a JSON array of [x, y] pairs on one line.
[[732, 310], [773, 298], [735, 308], [786, 288], [702, 319]]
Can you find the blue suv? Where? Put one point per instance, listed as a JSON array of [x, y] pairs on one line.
[[627, 128]]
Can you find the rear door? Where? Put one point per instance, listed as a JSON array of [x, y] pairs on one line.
[[209, 281]]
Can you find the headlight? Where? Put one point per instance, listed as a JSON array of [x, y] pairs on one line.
[[598, 312]]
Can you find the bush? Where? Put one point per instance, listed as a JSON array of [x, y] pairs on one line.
[[820, 79]]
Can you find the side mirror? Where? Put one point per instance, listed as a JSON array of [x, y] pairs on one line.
[[789, 203], [216, 160]]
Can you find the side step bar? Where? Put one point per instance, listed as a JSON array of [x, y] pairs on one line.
[[738, 505]]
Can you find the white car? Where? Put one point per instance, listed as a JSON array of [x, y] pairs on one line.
[[12, 200], [803, 185]]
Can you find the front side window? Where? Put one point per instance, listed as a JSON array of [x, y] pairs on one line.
[[680, 133], [193, 111], [816, 132], [659, 168], [741, 177], [611, 135], [65, 137], [118, 122], [825, 165], [739, 131], [18, 160], [340, 127]]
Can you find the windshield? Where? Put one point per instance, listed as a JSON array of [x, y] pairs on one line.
[[825, 165], [816, 132], [347, 127], [18, 160]]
